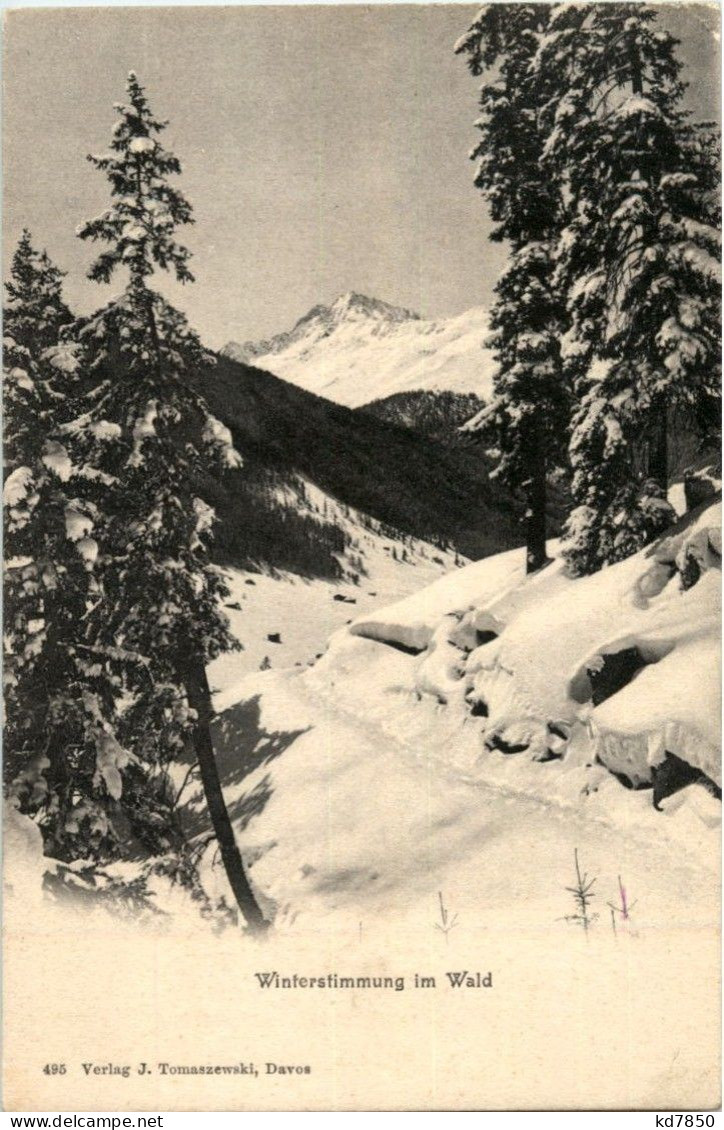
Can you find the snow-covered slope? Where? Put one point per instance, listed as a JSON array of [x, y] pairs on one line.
[[636, 670], [285, 620], [360, 349], [467, 739]]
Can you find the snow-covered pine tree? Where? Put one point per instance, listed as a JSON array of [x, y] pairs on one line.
[[146, 208], [638, 259], [58, 735], [527, 419], [33, 314], [151, 434]]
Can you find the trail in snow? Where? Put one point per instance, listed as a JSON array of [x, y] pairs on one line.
[[344, 820]]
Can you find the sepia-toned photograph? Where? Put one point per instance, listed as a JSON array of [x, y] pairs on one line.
[[362, 557]]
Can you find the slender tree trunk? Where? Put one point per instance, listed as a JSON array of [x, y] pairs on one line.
[[535, 519], [658, 459], [199, 696], [637, 84], [658, 468]]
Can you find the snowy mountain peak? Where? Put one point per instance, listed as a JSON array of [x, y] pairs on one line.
[[361, 349], [353, 304], [320, 321]]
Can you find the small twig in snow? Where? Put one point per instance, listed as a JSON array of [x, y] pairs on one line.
[[446, 923], [583, 896], [624, 908]]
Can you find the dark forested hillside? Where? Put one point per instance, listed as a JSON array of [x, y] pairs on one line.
[[437, 415], [420, 486]]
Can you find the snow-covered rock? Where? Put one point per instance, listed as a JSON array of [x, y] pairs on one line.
[[412, 622], [360, 349], [638, 607]]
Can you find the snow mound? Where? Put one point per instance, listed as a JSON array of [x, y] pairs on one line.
[[412, 622], [25, 865]]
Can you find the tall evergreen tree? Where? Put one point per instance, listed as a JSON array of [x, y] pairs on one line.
[[151, 435], [59, 733], [526, 420], [638, 260]]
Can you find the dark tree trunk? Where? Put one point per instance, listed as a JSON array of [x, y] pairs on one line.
[[637, 84], [535, 519], [658, 462], [658, 468], [199, 696]]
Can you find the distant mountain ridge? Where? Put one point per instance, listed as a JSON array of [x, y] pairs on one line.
[[322, 319], [361, 349]]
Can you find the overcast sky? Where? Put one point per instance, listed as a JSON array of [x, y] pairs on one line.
[[324, 149]]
